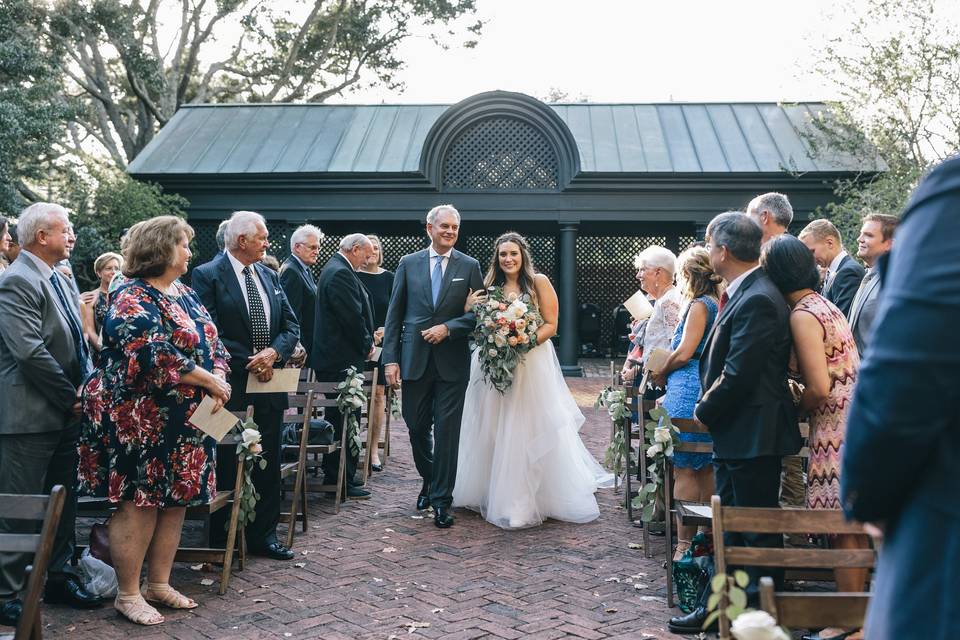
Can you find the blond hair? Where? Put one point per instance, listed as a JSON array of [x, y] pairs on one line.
[[695, 276]]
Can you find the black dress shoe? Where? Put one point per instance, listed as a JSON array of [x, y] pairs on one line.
[[443, 518], [692, 623], [10, 612], [423, 502], [357, 493], [274, 551], [376, 467], [70, 592]]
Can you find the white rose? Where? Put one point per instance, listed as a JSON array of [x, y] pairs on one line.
[[250, 436], [492, 353], [356, 383], [757, 625], [492, 304], [511, 297], [499, 340], [653, 449], [356, 402], [661, 435]]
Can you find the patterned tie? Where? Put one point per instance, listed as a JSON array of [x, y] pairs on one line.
[[258, 319], [724, 299], [74, 323], [437, 279]]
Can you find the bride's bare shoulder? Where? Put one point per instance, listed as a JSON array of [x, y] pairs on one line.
[[540, 280]]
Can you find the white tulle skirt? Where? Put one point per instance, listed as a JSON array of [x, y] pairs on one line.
[[521, 459]]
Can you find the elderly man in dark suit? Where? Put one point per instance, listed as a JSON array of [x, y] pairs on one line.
[[875, 240], [425, 343], [745, 402], [901, 452], [259, 329], [43, 362], [344, 338], [842, 274], [298, 282]]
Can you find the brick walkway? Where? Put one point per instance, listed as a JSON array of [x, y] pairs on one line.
[[379, 571]]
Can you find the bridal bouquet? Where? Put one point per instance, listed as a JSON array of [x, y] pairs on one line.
[[506, 330]]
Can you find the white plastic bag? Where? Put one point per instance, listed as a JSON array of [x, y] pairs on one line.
[[99, 578]]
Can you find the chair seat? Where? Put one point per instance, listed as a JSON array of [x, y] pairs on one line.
[[688, 517]]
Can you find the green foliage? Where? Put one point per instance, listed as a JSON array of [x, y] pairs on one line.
[[728, 595], [33, 107], [248, 496], [897, 71], [102, 213], [350, 400], [615, 402], [661, 437]]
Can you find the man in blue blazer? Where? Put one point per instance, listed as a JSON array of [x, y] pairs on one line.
[[901, 452], [425, 345], [260, 331]]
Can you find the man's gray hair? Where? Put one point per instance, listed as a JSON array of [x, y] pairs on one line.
[[656, 256], [242, 223], [221, 235], [37, 217], [304, 233], [777, 204], [354, 240], [738, 233], [441, 208]]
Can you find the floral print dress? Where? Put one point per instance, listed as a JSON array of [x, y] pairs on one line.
[[136, 443]]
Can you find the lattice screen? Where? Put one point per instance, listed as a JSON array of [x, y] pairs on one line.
[[501, 154], [606, 275]]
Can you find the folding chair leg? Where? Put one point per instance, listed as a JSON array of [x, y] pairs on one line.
[[626, 425], [303, 504], [295, 502], [667, 491]]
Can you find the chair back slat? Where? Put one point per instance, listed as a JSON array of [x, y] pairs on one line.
[[806, 610], [803, 558], [687, 425], [20, 542], [756, 520], [21, 507]]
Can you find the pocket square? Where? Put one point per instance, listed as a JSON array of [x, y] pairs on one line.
[[457, 280]]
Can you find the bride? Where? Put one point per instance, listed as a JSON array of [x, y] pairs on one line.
[[521, 459]]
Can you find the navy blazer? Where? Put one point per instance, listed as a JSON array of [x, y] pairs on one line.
[[344, 318], [743, 373], [902, 440], [301, 290], [218, 288], [412, 310], [845, 283]]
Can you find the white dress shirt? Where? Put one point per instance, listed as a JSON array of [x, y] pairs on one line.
[[238, 269], [443, 263]]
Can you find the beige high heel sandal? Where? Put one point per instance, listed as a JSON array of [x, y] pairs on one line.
[[163, 593], [134, 608]]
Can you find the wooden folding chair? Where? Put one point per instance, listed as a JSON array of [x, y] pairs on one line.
[[32, 507], [754, 520]]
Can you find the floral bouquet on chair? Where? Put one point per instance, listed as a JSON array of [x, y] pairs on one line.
[[506, 330]]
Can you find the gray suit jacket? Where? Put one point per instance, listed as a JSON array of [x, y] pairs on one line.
[[864, 308], [39, 370], [411, 310]]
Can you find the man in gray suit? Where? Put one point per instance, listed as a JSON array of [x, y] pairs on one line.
[[876, 240], [425, 344], [43, 363]]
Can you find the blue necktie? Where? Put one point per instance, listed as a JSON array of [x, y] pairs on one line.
[[437, 279], [74, 323]]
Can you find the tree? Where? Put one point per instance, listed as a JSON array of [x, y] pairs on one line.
[[897, 69], [32, 109], [135, 63]]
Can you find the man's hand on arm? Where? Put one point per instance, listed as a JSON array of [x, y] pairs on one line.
[[392, 374]]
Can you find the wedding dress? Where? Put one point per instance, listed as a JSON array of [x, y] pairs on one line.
[[521, 459]]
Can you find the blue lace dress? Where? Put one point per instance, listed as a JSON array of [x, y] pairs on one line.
[[683, 388]]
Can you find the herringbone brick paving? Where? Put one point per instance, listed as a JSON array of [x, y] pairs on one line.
[[379, 570]]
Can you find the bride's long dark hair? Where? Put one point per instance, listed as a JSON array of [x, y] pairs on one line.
[[526, 278]]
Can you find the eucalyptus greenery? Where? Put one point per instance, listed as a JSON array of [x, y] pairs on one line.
[[247, 435], [660, 436], [615, 402], [350, 400], [727, 595]]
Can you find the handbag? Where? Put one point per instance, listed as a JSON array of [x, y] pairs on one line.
[[692, 572], [100, 542]]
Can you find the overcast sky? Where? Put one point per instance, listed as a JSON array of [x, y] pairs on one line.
[[627, 51]]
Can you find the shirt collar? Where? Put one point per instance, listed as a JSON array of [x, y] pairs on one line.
[[238, 266], [434, 254], [835, 263], [302, 263], [45, 270], [735, 284]]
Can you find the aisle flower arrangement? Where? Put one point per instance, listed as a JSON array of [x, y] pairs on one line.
[[506, 330], [660, 437], [249, 448], [351, 398]]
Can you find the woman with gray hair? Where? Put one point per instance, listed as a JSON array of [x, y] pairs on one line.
[[655, 267]]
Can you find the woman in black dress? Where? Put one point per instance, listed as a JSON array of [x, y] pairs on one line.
[[379, 284]]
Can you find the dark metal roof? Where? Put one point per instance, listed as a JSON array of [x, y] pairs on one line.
[[378, 139]]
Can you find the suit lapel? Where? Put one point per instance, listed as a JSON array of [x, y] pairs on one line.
[[233, 288], [861, 299], [731, 303], [453, 262], [425, 269]]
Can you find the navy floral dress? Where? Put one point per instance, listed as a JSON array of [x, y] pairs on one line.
[[135, 442]]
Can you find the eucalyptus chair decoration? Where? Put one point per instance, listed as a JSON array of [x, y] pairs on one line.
[[250, 453], [615, 402], [661, 438], [351, 399]]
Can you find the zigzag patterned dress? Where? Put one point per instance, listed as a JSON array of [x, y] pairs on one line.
[[828, 422]]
